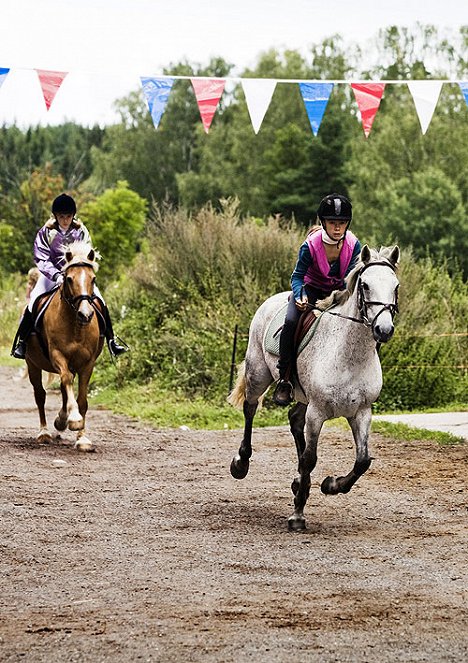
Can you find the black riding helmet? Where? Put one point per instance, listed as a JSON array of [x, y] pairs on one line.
[[64, 204], [335, 207]]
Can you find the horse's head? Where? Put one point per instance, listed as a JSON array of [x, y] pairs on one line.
[[377, 290], [81, 265]]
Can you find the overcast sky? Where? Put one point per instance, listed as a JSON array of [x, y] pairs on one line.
[[107, 44]]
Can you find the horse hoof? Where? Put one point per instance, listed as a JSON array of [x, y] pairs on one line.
[[239, 467], [85, 445], [296, 524], [60, 424], [75, 425], [330, 486], [44, 438], [295, 486]]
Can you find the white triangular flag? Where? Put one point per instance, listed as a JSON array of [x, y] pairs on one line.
[[425, 95], [258, 93]]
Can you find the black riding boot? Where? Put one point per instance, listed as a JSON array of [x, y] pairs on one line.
[[115, 348], [18, 351], [284, 389]]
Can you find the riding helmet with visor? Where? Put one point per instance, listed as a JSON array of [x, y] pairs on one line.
[[64, 204], [335, 207]]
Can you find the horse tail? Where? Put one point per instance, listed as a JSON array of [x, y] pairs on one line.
[[237, 395]]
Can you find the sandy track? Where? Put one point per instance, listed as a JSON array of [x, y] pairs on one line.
[[148, 550]]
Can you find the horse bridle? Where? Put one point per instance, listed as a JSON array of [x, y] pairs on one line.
[[74, 302], [364, 303]]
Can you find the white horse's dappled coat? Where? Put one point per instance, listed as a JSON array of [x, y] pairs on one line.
[[339, 373]]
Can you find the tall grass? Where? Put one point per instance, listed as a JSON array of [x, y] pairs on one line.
[[206, 273], [202, 275]]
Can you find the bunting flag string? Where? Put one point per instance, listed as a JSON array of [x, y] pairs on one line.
[[425, 96], [3, 75], [464, 89], [258, 94], [50, 83], [156, 91], [208, 92], [315, 97], [368, 96]]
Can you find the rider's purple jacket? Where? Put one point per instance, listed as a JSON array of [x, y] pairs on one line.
[[50, 244]]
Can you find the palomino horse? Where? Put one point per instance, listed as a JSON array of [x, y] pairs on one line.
[[69, 343], [338, 372]]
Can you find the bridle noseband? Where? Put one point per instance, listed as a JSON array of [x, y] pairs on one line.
[[364, 303]]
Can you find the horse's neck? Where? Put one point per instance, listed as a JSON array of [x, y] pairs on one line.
[[357, 334]]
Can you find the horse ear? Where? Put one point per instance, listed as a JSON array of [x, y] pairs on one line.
[[365, 254], [91, 255], [68, 256], [395, 255]]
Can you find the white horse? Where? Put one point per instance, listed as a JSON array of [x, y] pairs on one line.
[[338, 372]]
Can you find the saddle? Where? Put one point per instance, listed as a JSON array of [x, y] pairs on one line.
[[304, 331]]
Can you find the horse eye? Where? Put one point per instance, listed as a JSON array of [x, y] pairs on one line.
[[365, 286], [69, 280]]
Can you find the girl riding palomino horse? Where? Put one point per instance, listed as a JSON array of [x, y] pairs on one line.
[[326, 257], [61, 230]]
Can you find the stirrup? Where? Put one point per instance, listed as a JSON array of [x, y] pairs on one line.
[[283, 393], [115, 348], [19, 351]]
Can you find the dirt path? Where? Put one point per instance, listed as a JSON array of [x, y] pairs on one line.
[[148, 550]]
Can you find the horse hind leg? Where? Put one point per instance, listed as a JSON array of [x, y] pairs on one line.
[[248, 391], [360, 426]]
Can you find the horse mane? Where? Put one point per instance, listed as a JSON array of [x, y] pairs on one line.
[[342, 296], [80, 251]]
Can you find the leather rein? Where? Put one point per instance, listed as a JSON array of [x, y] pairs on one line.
[[363, 303]]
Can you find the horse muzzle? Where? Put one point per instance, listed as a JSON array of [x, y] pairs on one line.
[[84, 318], [382, 333]]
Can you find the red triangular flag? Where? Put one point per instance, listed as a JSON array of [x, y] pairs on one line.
[[208, 93], [368, 96], [50, 83]]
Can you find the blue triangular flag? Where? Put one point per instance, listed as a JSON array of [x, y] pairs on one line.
[[157, 92], [464, 89], [315, 96], [3, 75]]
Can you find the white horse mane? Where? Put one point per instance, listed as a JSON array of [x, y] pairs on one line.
[[342, 296], [80, 253]]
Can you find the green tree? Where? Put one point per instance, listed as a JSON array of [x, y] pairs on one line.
[[116, 220]]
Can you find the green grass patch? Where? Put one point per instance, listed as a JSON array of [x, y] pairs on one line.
[[406, 433], [165, 410]]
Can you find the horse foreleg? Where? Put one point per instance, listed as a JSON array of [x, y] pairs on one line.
[[35, 378], [360, 425], [296, 416], [240, 462], [307, 462], [69, 415], [83, 443]]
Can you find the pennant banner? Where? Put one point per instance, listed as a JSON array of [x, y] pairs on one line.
[[258, 93], [208, 92], [315, 96], [157, 92], [425, 96], [368, 96], [3, 75], [464, 89], [50, 83]]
